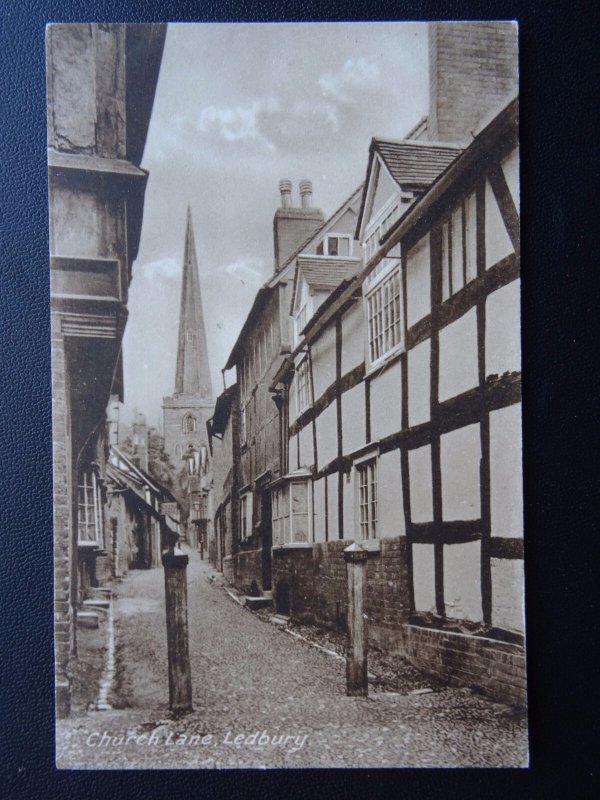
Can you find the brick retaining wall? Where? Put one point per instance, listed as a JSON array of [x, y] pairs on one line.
[[497, 668], [247, 567], [319, 591]]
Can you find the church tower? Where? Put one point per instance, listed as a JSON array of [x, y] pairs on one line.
[[185, 412]]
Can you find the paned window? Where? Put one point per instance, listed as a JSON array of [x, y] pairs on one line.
[[291, 513], [303, 386], [367, 499], [384, 317], [335, 244], [89, 510]]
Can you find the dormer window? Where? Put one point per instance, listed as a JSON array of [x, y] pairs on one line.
[[335, 244]]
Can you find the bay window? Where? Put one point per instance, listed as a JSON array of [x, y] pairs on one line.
[[291, 514]]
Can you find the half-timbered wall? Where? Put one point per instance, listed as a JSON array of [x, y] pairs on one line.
[[441, 418]]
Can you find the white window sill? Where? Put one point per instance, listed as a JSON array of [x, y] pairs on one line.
[[384, 361]]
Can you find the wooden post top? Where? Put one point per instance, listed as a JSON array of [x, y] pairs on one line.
[[355, 554], [175, 560]]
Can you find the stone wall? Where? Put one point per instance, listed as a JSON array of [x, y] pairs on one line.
[[497, 668]]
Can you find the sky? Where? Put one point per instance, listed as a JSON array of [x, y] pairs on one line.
[[237, 108]]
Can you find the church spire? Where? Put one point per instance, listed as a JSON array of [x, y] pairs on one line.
[[193, 372]]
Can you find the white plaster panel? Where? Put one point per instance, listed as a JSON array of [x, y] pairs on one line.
[[332, 505], [353, 418], [386, 402], [462, 581], [510, 167], [326, 436], [353, 338], [459, 369], [460, 456], [319, 510], [390, 508], [323, 356], [497, 240], [506, 474], [508, 594], [419, 383], [418, 281], [423, 577], [421, 492], [503, 330], [306, 447]]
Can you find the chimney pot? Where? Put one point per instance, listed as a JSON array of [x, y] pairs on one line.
[[306, 193], [285, 188]]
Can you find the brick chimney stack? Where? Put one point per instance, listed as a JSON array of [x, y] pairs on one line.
[[473, 68], [292, 226]]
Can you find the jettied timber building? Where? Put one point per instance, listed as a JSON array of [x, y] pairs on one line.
[[101, 81]]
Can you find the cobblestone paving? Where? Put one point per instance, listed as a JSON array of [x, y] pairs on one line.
[[263, 699]]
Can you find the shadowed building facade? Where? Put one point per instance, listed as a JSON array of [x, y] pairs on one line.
[[101, 80]]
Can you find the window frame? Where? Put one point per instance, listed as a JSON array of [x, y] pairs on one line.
[[303, 387], [184, 425], [282, 508], [90, 484], [391, 272], [246, 507], [367, 498]]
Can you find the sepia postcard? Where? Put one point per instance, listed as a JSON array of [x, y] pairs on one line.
[[286, 382]]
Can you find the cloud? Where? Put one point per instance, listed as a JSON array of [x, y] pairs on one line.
[[238, 123], [247, 270], [356, 74], [161, 268]]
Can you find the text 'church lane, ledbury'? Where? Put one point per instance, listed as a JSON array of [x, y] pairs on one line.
[[265, 699]]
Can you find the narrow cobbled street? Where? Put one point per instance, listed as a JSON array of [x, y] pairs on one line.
[[265, 699]]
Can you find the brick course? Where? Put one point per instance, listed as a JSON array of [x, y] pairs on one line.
[[496, 668]]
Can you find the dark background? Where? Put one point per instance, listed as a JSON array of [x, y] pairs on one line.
[[559, 98]]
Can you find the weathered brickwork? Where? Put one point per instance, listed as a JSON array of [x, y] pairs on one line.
[[318, 588], [496, 668], [247, 568], [472, 68]]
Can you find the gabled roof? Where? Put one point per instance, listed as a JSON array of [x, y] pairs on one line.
[[331, 220], [323, 273], [415, 163], [411, 164], [264, 292]]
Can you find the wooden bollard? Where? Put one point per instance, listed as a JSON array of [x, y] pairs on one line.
[[356, 660], [180, 678]]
